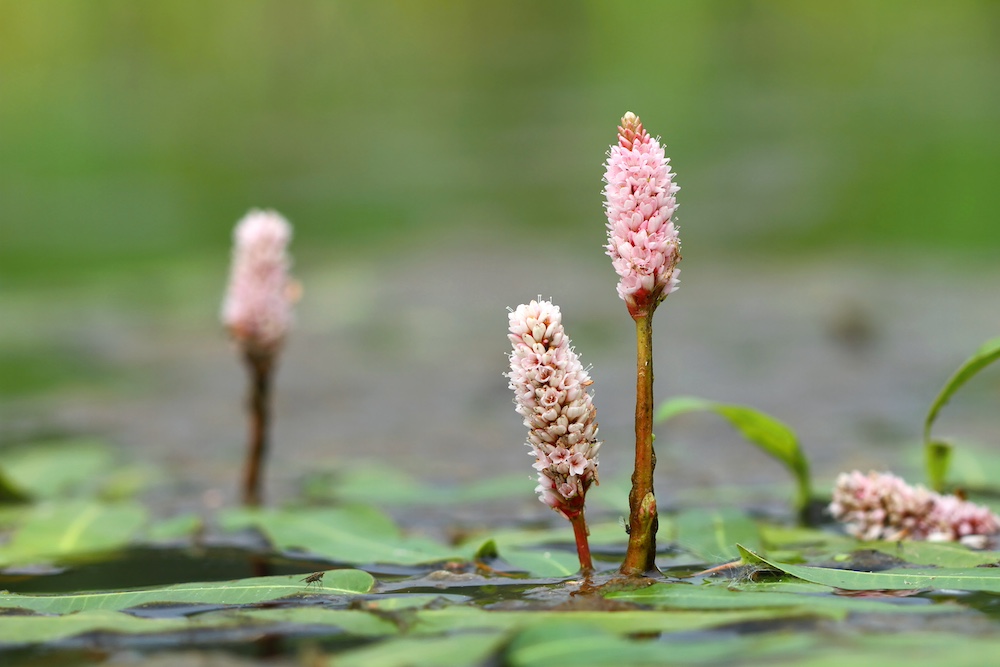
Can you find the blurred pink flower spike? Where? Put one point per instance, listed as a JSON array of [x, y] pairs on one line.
[[881, 506], [643, 242], [550, 393], [257, 311]]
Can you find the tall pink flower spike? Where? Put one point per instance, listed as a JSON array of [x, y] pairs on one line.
[[550, 392], [257, 309], [642, 240], [881, 506]]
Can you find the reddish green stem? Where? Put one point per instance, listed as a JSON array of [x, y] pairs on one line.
[[641, 554], [259, 366], [580, 532]]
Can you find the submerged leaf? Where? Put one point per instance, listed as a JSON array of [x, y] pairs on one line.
[[771, 435]]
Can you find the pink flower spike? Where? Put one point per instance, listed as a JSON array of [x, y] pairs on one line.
[[551, 395], [643, 242], [257, 308], [881, 506]]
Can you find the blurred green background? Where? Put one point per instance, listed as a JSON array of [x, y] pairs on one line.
[[135, 132]]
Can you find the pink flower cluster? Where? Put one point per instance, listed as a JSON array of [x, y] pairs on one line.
[[549, 385], [257, 308], [881, 506], [642, 240]]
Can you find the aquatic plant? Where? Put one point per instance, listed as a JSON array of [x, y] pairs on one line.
[[644, 247], [550, 392], [257, 311]]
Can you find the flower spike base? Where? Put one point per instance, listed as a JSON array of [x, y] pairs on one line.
[[641, 555]]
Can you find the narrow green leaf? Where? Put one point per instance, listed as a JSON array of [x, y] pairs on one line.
[[62, 530], [983, 357], [241, 591], [771, 435], [984, 579]]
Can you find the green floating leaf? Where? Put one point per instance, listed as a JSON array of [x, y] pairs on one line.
[[765, 431], [26, 629], [818, 599], [53, 531], [984, 579], [543, 563], [349, 621], [20, 630], [356, 534], [53, 469], [241, 591], [712, 535], [458, 618], [465, 650], [563, 643], [179, 527], [983, 357]]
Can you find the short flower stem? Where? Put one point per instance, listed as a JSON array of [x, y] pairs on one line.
[[641, 554], [259, 366], [580, 532]]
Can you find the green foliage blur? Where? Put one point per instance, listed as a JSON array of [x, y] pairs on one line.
[[133, 132]]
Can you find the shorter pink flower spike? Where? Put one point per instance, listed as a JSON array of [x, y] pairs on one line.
[[257, 309], [881, 506], [643, 242], [550, 392]]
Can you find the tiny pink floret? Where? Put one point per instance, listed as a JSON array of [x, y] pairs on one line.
[[549, 385], [643, 242], [881, 506], [257, 308]]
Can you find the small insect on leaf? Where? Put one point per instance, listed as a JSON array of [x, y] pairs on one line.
[[314, 578]]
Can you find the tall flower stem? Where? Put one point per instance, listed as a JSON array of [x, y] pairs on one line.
[[580, 532], [641, 554], [259, 366]]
